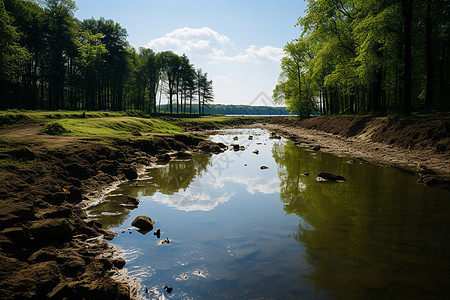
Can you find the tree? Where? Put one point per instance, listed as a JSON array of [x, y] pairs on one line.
[[10, 52]]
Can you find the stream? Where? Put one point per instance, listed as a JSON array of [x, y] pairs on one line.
[[238, 231]]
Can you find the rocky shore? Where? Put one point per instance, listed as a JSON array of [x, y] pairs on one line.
[[48, 249]]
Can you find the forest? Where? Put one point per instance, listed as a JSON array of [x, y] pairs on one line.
[[51, 60], [377, 57], [233, 109]]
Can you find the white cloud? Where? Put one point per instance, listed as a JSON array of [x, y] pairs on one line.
[[192, 41], [252, 54], [207, 43]]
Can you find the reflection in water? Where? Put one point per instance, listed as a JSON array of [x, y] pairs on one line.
[[173, 180], [379, 235]]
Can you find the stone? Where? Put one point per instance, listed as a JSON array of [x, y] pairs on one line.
[[130, 173], [324, 176], [143, 223], [256, 151], [264, 167], [235, 147]]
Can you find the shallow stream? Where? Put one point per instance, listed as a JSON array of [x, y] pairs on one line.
[[237, 231]]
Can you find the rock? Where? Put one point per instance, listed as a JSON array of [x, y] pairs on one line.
[[163, 158], [130, 173], [315, 148], [51, 230], [168, 289], [324, 176], [235, 138], [264, 167], [242, 148], [256, 151], [235, 147], [143, 223], [136, 133], [250, 137]]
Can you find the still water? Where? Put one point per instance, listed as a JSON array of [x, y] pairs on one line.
[[237, 231]]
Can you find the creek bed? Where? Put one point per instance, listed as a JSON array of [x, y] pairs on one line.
[[239, 231]]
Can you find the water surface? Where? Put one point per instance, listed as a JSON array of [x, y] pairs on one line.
[[240, 232]]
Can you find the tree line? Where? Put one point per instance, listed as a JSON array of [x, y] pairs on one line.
[[233, 109], [51, 60], [368, 56]]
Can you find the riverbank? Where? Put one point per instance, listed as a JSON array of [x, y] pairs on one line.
[[48, 249], [418, 146]]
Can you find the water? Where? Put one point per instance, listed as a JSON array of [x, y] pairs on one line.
[[240, 232]]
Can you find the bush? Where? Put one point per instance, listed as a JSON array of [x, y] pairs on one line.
[[54, 129]]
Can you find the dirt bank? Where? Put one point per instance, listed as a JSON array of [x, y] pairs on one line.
[[421, 146], [47, 247]]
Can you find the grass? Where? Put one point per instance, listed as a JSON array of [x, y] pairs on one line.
[[112, 127]]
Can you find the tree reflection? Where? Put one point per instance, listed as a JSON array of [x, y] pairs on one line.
[[377, 235], [167, 179]]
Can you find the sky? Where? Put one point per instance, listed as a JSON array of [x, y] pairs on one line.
[[239, 44]]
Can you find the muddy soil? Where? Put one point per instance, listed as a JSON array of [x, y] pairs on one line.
[[48, 249]]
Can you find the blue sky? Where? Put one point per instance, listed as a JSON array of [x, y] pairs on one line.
[[238, 43]]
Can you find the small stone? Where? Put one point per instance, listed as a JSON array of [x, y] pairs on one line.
[[168, 289], [264, 167], [256, 151]]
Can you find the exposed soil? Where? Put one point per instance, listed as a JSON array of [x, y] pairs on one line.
[[420, 146], [48, 249]]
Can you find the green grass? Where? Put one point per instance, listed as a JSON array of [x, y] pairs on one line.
[[114, 127], [8, 119]]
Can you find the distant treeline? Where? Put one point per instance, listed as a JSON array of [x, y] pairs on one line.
[[230, 109], [51, 60], [368, 56]]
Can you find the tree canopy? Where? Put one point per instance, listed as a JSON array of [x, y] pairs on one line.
[[368, 57], [51, 60]]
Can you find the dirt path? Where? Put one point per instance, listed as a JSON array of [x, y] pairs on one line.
[[30, 132]]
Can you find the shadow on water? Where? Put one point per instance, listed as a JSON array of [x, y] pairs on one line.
[[379, 235]]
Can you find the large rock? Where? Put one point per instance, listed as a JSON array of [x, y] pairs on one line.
[[143, 223], [324, 176]]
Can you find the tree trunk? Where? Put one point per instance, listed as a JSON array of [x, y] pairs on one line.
[[429, 54], [407, 8]]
